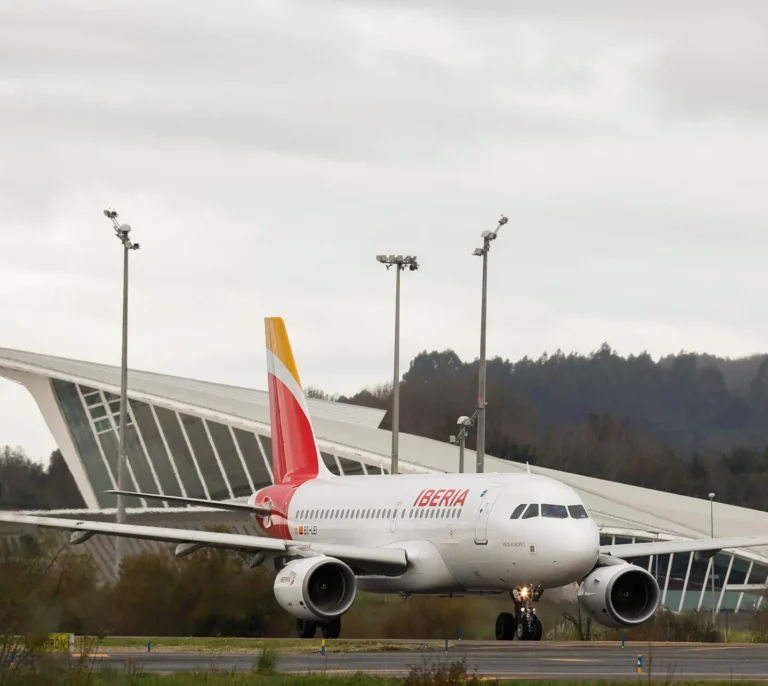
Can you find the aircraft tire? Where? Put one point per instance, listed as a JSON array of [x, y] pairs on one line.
[[523, 631], [505, 626], [538, 629], [305, 628], [332, 629]]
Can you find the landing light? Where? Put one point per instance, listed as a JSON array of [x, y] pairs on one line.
[[524, 591]]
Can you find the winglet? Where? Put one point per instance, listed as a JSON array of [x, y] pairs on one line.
[[527, 468], [295, 455]]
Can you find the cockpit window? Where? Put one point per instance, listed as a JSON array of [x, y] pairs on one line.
[[578, 512], [532, 511], [554, 511], [518, 511]]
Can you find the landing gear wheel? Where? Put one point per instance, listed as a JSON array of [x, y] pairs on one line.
[[538, 629], [522, 631], [332, 629], [505, 627], [305, 628]]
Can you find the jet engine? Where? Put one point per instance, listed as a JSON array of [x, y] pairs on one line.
[[619, 596], [316, 588]]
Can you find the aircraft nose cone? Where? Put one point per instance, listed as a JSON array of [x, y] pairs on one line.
[[582, 545]]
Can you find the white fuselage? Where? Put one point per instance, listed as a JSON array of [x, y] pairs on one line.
[[456, 529]]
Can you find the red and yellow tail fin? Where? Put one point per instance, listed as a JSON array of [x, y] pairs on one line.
[[295, 456]]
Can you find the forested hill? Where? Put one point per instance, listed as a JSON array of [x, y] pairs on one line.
[[691, 402], [685, 423]]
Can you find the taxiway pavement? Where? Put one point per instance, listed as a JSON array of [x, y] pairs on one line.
[[513, 660]]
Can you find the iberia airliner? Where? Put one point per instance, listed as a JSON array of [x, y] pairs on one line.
[[325, 536]]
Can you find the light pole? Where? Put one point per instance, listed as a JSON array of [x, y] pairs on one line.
[[122, 231], [488, 236], [400, 263], [712, 534], [464, 423]]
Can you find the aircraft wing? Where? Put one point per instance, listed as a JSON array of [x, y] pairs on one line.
[[387, 561], [706, 546]]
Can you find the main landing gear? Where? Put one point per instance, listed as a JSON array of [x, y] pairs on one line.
[[307, 629], [524, 623]]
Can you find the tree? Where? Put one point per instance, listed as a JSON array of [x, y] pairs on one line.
[[25, 484]]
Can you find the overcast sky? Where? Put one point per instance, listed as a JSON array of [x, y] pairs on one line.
[[265, 152]]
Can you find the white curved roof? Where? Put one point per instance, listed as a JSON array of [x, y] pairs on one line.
[[247, 403], [354, 432]]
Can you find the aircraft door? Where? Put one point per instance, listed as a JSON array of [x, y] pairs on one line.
[[483, 512], [393, 518]]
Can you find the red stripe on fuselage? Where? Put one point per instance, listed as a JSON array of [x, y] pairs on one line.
[[278, 498], [294, 453]]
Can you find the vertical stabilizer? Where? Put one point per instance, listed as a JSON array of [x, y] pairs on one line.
[[295, 456]]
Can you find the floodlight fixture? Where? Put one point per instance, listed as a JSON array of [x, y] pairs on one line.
[[400, 262], [487, 236], [122, 231]]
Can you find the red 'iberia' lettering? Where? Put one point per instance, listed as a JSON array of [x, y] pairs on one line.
[[426, 497], [461, 498], [436, 498], [441, 497]]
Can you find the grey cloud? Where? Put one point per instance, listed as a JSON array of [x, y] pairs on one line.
[[310, 93], [265, 152]]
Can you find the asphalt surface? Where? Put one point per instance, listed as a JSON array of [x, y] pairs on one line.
[[548, 661]]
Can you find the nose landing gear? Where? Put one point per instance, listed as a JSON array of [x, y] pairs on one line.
[[524, 623]]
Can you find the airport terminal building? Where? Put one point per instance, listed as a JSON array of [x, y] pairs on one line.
[[207, 440]]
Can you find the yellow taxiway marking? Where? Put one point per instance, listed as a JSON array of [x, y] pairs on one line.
[[569, 659], [693, 650]]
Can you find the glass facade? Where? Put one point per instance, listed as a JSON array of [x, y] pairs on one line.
[[686, 583], [171, 453]]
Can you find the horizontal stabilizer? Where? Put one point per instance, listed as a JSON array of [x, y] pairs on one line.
[[201, 502]]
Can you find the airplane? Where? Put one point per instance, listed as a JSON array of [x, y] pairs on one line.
[[326, 537]]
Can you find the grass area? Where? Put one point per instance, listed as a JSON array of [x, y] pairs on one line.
[[255, 645]]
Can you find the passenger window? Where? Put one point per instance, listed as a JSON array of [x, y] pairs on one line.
[[578, 512], [517, 511], [532, 511], [554, 511]]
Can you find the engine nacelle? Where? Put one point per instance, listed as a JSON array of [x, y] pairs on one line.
[[619, 596], [316, 588]]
